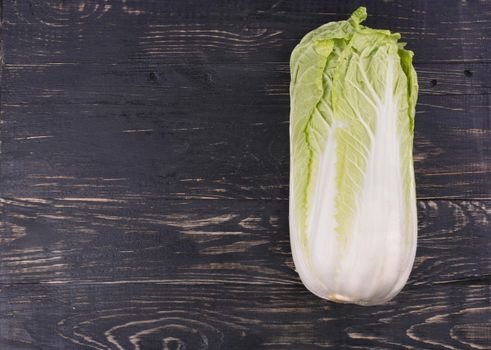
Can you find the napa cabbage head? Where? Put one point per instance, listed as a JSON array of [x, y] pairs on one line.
[[353, 222]]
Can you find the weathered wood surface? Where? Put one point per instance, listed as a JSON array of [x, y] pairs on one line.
[[210, 148], [236, 316], [144, 178], [229, 31], [86, 240]]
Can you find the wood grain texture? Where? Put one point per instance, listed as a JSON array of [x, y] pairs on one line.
[[144, 178], [234, 316], [229, 31], [146, 273], [67, 131], [103, 240]]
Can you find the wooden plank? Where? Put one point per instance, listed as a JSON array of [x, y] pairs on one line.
[[229, 316], [151, 81], [221, 146], [149, 240], [224, 31]]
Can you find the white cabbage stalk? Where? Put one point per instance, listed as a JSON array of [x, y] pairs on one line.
[[353, 222]]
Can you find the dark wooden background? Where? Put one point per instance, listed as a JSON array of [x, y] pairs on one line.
[[144, 178]]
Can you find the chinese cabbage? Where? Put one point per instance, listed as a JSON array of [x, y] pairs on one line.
[[353, 222]]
